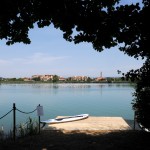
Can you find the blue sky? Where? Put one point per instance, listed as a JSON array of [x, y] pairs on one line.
[[49, 53]]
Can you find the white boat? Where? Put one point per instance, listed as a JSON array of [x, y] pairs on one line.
[[66, 119], [143, 128]]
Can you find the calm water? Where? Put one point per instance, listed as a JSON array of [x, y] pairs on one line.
[[65, 100]]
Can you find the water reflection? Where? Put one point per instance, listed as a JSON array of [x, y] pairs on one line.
[[68, 85]]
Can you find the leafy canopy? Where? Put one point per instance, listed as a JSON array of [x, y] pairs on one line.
[[103, 23]]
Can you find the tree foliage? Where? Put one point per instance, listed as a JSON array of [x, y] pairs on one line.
[[103, 23], [55, 78], [141, 102]]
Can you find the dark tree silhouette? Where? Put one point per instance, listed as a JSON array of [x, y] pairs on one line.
[[103, 23]]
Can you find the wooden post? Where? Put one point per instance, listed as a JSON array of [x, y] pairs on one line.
[[39, 122], [39, 113], [134, 120], [14, 121]]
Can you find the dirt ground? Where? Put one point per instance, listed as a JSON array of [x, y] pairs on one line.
[[75, 140]]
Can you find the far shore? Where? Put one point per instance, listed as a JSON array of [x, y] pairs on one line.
[[39, 82]]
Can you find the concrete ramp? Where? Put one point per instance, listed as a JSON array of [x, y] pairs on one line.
[[92, 124]]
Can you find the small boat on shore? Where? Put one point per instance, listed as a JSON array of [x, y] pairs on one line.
[[66, 119]]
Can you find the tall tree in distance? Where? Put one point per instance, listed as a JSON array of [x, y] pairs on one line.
[[103, 23]]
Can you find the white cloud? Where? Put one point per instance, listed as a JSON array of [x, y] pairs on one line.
[[35, 59], [4, 62], [37, 63], [41, 58]]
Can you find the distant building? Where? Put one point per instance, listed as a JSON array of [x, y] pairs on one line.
[[62, 79], [100, 78], [43, 77], [27, 79], [35, 76], [46, 77], [79, 78]]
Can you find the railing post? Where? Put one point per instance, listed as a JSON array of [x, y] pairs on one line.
[[134, 120], [14, 121], [39, 122]]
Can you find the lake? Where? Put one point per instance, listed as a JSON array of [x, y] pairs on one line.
[[99, 99]]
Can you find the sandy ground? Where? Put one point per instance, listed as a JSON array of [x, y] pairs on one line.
[[91, 123]]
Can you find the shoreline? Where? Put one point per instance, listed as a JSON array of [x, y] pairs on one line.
[[40, 82]]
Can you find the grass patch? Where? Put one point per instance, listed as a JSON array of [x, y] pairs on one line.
[[23, 129]]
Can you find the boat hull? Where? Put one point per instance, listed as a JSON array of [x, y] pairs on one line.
[[66, 119]]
